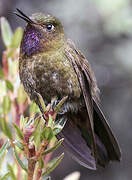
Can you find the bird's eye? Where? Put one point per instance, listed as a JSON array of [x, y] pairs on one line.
[[49, 27]]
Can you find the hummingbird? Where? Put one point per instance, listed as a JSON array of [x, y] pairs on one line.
[[51, 65]]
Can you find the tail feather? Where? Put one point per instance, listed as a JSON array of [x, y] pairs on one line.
[[76, 145], [105, 133], [77, 139]]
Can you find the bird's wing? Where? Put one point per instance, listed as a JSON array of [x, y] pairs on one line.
[[97, 121], [87, 84], [75, 144], [105, 134]]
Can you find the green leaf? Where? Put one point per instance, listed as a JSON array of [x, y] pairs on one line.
[[17, 37], [47, 133], [5, 176], [3, 156], [6, 104], [41, 102], [5, 128], [56, 131], [13, 70], [19, 145], [19, 161], [59, 105], [59, 125], [18, 131], [11, 171], [41, 163], [6, 31], [1, 73], [11, 53], [53, 164], [50, 121], [23, 122], [37, 120], [9, 85], [54, 147], [3, 148], [36, 134], [3, 91], [39, 125], [34, 108], [21, 96]]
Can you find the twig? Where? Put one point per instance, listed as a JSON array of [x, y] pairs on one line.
[[42, 147], [31, 167], [38, 172]]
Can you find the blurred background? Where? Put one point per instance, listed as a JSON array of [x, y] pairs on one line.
[[102, 30]]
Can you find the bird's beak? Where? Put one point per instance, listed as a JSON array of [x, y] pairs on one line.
[[20, 14]]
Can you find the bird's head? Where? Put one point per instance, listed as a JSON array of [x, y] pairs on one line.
[[43, 33]]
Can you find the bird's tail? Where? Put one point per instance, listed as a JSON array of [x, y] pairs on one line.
[[77, 139]]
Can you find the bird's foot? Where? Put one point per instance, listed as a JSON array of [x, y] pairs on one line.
[[64, 111]]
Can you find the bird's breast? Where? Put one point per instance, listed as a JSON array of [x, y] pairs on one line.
[[55, 76], [51, 76]]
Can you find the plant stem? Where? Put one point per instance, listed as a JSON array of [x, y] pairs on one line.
[[31, 168], [37, 172], [26, 150], [33, 158], [41, 149]]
